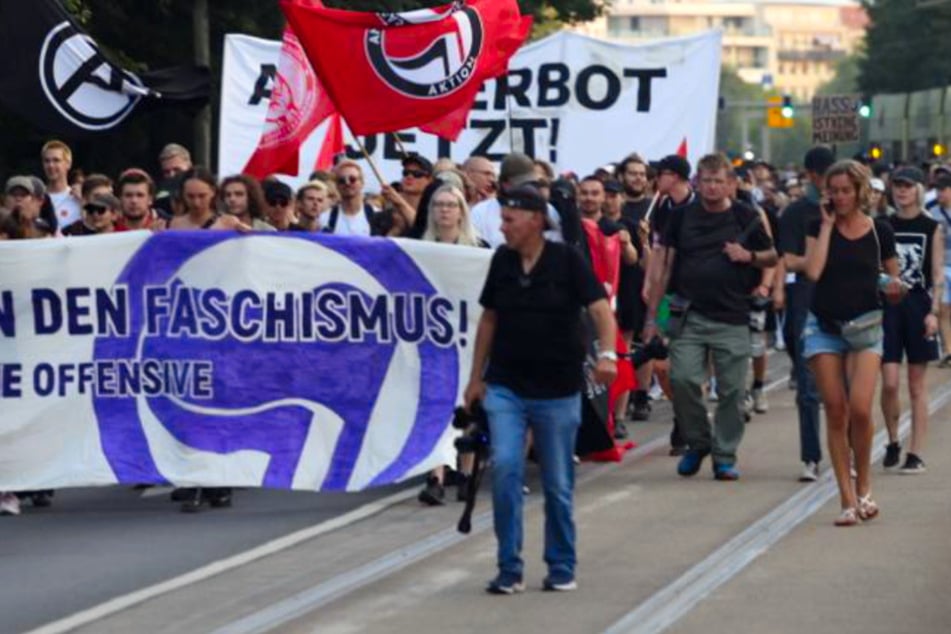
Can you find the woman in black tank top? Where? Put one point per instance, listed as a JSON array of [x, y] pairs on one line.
[[911, 326], [845, 253]]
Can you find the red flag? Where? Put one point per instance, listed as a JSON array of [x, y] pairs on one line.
[[390, 71], [332, 145], [298, 105], [682, 149]]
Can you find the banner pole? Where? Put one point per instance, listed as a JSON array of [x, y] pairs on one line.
[[399, 144], [650, 208], [363, 150]]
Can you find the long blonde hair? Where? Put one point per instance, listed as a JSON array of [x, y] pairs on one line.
[[467, 233]]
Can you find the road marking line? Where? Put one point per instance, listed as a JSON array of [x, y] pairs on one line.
[[669, 604], [126, 601], [335, 587]]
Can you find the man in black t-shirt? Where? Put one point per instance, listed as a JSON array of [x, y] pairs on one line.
[[791, 242], [714, 250], [527, 372]]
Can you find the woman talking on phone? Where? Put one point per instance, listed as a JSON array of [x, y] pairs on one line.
[[846, 252]]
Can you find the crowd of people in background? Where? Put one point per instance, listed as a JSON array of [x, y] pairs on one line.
[[724, 261]]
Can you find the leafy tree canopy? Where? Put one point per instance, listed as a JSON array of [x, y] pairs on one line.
[[907, 47]]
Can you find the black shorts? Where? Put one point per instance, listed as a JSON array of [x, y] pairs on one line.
[[904, 326]]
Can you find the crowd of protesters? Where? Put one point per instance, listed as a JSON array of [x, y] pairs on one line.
[[840, 263]]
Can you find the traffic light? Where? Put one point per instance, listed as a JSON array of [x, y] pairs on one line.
[[788, 110], [875, 152], [865, 109], [938, 150]]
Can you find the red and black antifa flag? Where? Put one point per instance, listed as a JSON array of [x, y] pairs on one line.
[[56, 77], [392, 71]]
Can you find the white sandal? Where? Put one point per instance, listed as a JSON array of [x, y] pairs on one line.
[[848, 517], [868, 509]]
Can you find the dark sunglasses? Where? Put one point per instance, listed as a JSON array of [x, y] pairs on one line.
[[347, 180], [415, 173], [95, 209], [280, 202]]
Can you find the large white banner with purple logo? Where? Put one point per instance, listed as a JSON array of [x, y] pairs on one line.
[[287, 361]]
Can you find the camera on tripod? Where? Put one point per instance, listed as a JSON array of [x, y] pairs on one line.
[[475, 429]]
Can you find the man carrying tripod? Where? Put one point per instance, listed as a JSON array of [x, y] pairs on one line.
[[527, 371]]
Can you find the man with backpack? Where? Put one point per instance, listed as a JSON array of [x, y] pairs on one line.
[[352, 216], [714, 250]]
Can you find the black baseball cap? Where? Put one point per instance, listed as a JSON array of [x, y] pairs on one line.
[[611, 186], [423, 162], [102, 201], [908, 174], [275, 190], [819, 159], [525, 197], [673, 163]]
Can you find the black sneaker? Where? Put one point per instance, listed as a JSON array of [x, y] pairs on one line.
[[42, 499], [620, 430], [642, 410], [194, 503], [506, 583], [892, 455], [913, 465], [433, 494]]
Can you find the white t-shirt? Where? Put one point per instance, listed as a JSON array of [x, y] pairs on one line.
[[487, 219], [67, 208], [355, 225]]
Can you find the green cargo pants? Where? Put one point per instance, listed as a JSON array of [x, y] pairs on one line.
[[729, 348]]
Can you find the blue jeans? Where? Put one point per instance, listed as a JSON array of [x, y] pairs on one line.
[[798, 299], [554, 424]]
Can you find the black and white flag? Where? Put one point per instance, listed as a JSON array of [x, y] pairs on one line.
[[54, 75]]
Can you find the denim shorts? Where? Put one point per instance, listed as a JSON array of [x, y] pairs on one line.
[[816, 341]]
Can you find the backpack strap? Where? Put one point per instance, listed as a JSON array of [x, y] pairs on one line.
[[332, 221]]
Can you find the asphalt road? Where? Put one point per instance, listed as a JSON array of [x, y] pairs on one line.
[[96, 544]]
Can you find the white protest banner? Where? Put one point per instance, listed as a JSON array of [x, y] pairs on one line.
[[575, 101], [297, 361]]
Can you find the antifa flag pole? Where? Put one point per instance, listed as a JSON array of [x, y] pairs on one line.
[[56, 77]]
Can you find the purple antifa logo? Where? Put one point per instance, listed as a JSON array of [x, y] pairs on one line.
[[267, 392]]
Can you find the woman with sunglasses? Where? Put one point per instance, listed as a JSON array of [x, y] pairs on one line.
[[846, 252], [448, 223]]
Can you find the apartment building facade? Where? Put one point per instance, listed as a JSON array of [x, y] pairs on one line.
[[793, 45]]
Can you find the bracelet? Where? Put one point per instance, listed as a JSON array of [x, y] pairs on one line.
[[752, 258], [610, 355]]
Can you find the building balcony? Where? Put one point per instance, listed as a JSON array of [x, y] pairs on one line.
[[812, 55]]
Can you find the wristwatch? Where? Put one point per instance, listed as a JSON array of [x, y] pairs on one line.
[[610, 355]]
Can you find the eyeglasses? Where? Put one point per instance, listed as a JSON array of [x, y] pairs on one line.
[[348, 180], [415, 173], [95, 209], [279, 202]]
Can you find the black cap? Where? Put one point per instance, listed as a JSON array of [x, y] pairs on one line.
[[275, 190], [611, 186], [819, 159], [942, 182], [103, 201], [673, 163], [908, 174], [524, 197], [423, 162]]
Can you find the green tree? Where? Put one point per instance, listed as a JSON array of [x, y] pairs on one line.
[[907, 47]]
